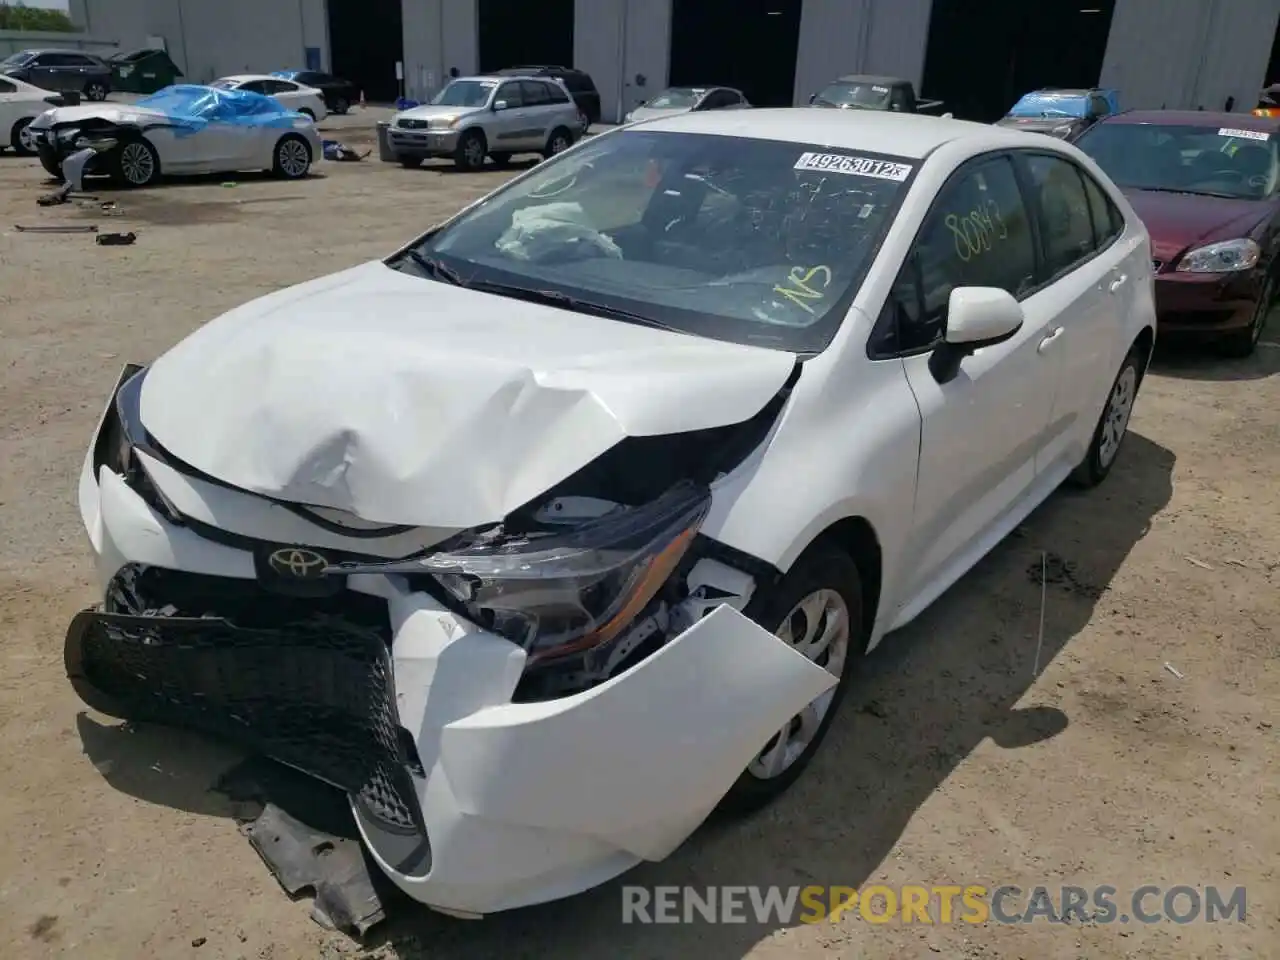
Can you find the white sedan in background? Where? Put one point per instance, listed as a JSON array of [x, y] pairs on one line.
[[294, 96], [596, 492], [20, 103]]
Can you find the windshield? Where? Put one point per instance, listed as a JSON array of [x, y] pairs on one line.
[[677, 98], [225, 84], [183, 101], [464, 93], [16, 59], [1050, 105], [1218, 161], [873, 96], [753, 241]]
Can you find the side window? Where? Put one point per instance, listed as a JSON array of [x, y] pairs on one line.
[[7, 87], [254, 86], [977, 234], [717, 99], [510, 92], [534, 94], [899, 102], [1065, 225], [557, 93], [1108, 223], [281, 86]]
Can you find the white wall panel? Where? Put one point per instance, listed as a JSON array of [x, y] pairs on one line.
[[438, 35], [860, 36], [597, 49], [1184, 54]]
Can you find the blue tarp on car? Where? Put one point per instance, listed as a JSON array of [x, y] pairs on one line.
[[191, 107]]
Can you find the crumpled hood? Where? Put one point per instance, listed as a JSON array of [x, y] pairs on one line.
[[1040, 124], [406, 401], [111, 112], [1178, 221]]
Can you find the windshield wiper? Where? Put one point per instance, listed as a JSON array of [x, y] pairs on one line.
[[554, 298], [1189, 193], [434, 268]]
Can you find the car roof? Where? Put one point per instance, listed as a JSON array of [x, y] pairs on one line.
[[38, 50], [910, 135], [1197, 118], [245, 77]]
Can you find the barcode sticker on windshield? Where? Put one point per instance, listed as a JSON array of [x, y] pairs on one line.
[[855, 166], [1246, 134]]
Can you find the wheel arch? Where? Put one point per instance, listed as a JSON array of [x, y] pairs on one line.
[[1145, 343]]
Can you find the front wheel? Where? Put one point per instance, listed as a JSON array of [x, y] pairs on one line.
[[135, 163], [95, 91], [20, 138], [1242, 343], [471, 151], [292, 158], [817, 609], [1112, 425], [340, 105]]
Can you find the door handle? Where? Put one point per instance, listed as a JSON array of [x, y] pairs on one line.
[[1049, 341], [1118, 282]]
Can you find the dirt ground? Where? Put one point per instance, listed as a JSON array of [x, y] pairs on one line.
[[951, 761]]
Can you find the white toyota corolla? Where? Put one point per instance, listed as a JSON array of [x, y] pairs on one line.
[[567, 522]]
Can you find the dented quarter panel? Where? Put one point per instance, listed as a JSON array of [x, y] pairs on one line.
[[502, 399]]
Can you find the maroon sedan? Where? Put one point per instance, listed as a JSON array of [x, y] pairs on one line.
[[1207, 186]]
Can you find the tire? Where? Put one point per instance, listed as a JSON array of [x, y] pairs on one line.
[[471, 150], [95, 90], [52, 167], [500, 159], [1113, 424], [559, 141], [134, 163], [291, 159], [340, 105], [16, 141], [1242, 343], [828, 573]]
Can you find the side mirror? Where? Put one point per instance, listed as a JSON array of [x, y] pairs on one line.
[[977, 317], [499, 105]]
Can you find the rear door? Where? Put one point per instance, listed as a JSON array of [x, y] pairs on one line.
[[1087, 282], [10, 108], [981, 428]]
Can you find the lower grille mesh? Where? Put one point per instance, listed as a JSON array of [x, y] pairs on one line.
[[314, 693]]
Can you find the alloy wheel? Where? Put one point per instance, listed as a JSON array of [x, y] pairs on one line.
[[474, 152], [137, 164], [293, 157]]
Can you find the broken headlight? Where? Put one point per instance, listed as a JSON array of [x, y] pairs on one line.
[[558, 592], [122, 433]]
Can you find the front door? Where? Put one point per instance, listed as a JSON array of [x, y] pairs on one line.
[[981, 428]]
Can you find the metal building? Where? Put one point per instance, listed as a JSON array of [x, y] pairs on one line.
[[975, 56]]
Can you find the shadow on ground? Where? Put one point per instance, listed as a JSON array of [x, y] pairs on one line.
[[928, 697]]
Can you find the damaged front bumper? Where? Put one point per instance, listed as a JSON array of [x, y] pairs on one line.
[[469, 799]]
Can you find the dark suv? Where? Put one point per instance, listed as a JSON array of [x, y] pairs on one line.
[[65, 71], [579, 85]]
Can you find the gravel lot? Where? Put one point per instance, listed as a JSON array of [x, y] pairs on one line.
[[950, 762]]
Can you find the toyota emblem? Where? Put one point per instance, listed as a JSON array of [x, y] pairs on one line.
[[298, 563]]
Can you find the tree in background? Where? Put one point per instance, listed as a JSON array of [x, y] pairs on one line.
[[17, 16]]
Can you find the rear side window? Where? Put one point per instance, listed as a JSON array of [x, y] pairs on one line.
[[254, 86], [535, 94], [977, 234], [1108, 222], [1066, 226], [557, 93]]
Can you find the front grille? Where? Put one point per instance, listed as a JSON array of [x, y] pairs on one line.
[[412, 124], [294, 679]]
